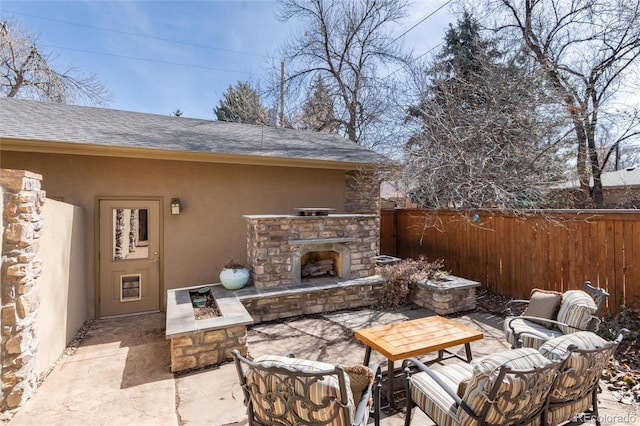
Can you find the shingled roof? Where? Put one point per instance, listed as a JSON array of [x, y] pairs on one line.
[[42, 126]]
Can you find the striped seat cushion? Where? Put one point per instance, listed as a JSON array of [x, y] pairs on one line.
[[522, 402], [268, 408], [557, 348], [581, 372], [576, 310], [528, 340], [432, 399], [557, 414]]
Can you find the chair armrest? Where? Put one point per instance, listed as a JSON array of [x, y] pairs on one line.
[[599, 296], [372, 391], [621, 334], [540, 336], [510, 303], [447, 389], [544, 337], [377, 385], [538, 319]]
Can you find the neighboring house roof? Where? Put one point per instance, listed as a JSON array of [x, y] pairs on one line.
[[625, 178], [621, 178], [34, 126]]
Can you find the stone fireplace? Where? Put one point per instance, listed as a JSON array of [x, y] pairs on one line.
[[282, 249]]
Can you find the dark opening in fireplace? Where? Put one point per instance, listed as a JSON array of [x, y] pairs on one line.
[[320, 264]]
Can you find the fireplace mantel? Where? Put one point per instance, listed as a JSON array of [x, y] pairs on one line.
[[310, 241]]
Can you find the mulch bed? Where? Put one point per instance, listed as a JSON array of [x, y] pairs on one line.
[[209, 310]]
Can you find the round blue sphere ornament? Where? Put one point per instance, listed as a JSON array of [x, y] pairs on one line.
[[476, 217]]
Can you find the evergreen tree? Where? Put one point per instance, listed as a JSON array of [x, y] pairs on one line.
[[241, 104], [464, 47], [486, 136], [318, 113]]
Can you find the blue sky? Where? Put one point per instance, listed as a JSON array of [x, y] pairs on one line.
[[191, 50]]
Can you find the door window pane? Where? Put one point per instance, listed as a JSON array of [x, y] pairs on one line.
[[130, 234]]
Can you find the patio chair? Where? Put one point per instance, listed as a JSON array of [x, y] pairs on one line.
[[507, 388], [575, 390], [551, 314], [283, 390]]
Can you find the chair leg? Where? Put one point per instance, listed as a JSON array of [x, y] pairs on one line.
[[376, 396], [594, 402], [407, 417]]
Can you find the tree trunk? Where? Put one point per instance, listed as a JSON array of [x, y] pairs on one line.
[[581, 137], [16, 86], [597, 193]]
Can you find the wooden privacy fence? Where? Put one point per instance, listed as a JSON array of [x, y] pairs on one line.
[[512, 254]]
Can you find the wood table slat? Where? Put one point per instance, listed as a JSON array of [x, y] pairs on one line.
[[402, 340]]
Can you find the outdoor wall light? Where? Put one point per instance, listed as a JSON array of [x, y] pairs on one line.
[[175, 206]]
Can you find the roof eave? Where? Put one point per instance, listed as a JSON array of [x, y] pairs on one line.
[[68, 148]]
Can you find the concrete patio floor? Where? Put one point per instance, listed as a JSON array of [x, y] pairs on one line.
[[119, 374]]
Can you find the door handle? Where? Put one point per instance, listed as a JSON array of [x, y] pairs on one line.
[[154, 261]]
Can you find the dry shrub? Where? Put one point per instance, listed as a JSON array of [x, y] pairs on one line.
[[623, 372], [401, 280], [628, 318], [611, 325]]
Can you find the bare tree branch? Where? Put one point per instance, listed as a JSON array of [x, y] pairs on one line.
[[586, 49], [344, 43], [25, 72], [488, 135]]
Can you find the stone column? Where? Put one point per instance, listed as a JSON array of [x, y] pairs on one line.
[[22, 224], [362, 192]]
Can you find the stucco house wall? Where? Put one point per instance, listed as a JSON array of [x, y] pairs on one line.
[[210, 228], [219, 171], [62, 284]]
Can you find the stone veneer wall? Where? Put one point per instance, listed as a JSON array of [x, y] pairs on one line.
[[269, 253], [22, 223], [447, 301], [362, 192], [204, 348], [265, 307], [194, 345], [200, 348]]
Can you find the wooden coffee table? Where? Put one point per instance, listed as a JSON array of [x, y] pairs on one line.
[[411, 338]]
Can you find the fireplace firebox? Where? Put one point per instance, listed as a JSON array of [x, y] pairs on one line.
[[320, 264]]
